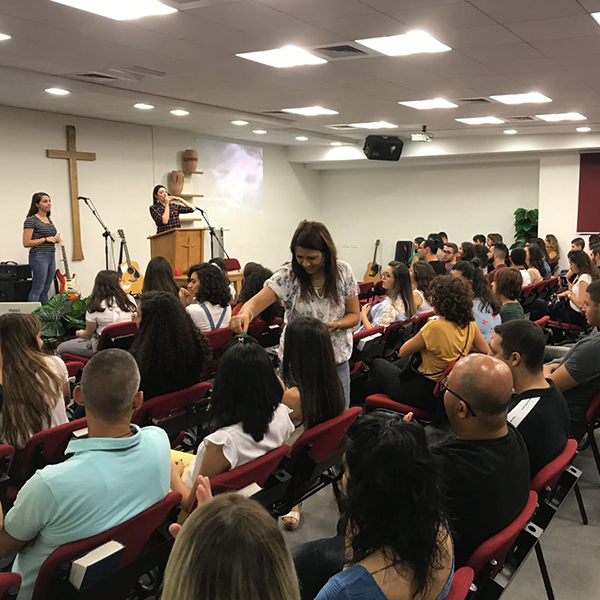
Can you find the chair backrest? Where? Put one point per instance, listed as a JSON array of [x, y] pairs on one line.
[[7, 453], [134, 534], [74, 367], [161, 407], [365, 287], [118, 335], [527, 290], [218, 338], [548, 476], [540, 286], [591, 414], [542, 322], [359, 335], [421, 320], [461, 584], [232, 264], [257, 327], [498, 546], [9, 585]]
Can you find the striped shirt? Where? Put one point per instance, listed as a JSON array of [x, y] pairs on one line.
[[41, 230]]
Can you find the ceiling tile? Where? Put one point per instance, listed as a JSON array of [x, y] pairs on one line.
[[391, 5], [569, 47], [489, 55], [489, 85], [366, 26], [555, 29], [474, 37], [536, 65], [590, 5], [311, 11], [447, 16], [301, 34], [513, 11]]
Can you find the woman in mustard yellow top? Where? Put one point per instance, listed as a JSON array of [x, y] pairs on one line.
[[439, 343]]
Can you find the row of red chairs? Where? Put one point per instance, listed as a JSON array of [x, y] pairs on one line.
[[542, 290]]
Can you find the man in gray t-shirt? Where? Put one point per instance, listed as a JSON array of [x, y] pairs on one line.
[[578, 375]]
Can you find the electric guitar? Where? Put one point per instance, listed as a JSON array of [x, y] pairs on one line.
[[68, 283], [132, 281], [373, 269]]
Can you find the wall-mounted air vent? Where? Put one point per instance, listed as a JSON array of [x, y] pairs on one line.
[[470, 101], [340, 52], [274, 112], [95, 76], [519, 119], [342, 127], [117, 74]]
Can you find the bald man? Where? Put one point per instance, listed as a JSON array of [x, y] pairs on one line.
[[485, 465]]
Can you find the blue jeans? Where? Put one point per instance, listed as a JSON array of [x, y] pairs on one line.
[[43, 268], [343, 370]]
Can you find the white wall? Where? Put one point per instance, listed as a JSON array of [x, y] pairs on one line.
[[360, 205]]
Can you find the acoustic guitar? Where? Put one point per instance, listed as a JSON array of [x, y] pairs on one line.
[[67, 282], [132, 280], [373, 269]]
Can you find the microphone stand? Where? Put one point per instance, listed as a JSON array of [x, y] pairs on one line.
[[212, 231], [106, 233]]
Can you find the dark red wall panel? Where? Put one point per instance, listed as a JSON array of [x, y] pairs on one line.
[[588, 214]]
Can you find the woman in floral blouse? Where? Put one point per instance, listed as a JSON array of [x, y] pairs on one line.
[[314, 284]]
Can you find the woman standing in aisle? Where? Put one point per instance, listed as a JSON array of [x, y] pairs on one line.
[[39, 235], [314, 284]]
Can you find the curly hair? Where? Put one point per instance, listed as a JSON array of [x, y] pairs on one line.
[[452, 299], [169, 349], [468, 251], [480, 285], [252, 284], [214, 285], [405, 522]]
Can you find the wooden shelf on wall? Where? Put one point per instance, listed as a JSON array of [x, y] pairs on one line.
[[192, 195]]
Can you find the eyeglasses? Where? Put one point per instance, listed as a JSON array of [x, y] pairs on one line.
[[444, 388]]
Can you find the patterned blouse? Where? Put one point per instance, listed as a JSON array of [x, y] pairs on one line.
[[286, 286]]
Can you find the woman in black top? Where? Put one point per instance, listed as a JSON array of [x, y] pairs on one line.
[[166, 213], [39, 235]]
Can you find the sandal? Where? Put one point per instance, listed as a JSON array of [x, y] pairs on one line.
[[293, 514]]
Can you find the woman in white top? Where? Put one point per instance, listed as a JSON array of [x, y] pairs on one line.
[[421, 275], [247, 417], [34, 386], [207, 298], [399, 303], [315, 284], [108, 305]]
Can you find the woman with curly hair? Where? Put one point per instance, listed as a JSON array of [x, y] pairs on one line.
[[435, 347], [170, 353], [421, 276], [159, 277], [466, 251], [207, 298]]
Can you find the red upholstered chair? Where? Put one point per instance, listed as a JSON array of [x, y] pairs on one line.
[[592, 419], [9, 585], [232, 264], [135, 534], [375, 349], [313, 457], [461, 584], [498, 546], [257, 327], [74, 368], [528, 296], [421, 320], [385, 402], [119, 335], [396, 334], [218, 340], [543, 321], [365, 287]]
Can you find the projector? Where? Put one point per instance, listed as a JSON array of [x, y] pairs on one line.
[[424, 136]]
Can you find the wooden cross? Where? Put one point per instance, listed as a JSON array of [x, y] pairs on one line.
[[73, 156]]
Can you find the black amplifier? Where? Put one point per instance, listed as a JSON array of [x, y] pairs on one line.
[[14, 291], [10, 271]]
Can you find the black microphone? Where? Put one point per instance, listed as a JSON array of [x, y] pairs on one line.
[[82, 198]]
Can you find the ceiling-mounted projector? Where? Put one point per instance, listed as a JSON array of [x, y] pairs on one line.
[[424, 136]]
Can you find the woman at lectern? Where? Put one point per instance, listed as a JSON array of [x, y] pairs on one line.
[[165, 211]]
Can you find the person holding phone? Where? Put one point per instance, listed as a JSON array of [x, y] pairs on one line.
[[40, 236]]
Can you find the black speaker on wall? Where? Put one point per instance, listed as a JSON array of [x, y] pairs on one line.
[[383, 147], [404, 250]]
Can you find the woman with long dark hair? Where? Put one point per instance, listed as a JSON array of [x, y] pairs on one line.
[[537, 267], [486, 308], [399, 303], [207, 297], [40, 236], [398, 543], [437, 345], [159, 277], [165, 209], [247, 417], [315, 284], [170, 352], [466, 251], [34, 386], [108, 305], [421, 276]]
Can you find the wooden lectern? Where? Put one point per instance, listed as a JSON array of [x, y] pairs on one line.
[[181, 247]]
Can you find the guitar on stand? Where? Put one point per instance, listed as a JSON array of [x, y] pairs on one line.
[[132, 280], [373, 269], [67, 283]]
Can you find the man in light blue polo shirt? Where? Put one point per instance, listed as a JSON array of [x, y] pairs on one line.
[[115, 473]]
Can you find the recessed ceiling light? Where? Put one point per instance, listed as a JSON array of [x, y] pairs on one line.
[[302, 138], [58, 91], [3, 37], [596, 16], [143, 106], [583, 129], [310, 111], [530, 97], [413, 42], [281, 58], [480, 120], [336, 144], [374, 125], [572, 116], [180, 113], [429, 104], [510, 131], [260, 131], [119, 10], [239, 123]]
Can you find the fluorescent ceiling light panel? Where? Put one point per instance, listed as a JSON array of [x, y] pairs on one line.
[[413, 42], [180, 113], [336, 144], [240, 123], [510, 131], [583, 129], [302, 138], [282, 58], [374, 125], [596, 17], [260, 131], [120, 10], [57, 91], [572, 116], [310, 111], [143, 106], [528, 98], [480, 120], [429, 104], [3, 37]]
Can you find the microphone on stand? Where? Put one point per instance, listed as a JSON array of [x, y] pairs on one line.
[[82, 198]]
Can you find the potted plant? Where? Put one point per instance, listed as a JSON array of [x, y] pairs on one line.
[[58, 323], [526, 226]]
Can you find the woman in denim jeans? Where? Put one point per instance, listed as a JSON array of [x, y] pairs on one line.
[[39, 235]]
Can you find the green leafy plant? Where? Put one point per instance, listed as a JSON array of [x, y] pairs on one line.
[[526, 226], [58, 322]]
